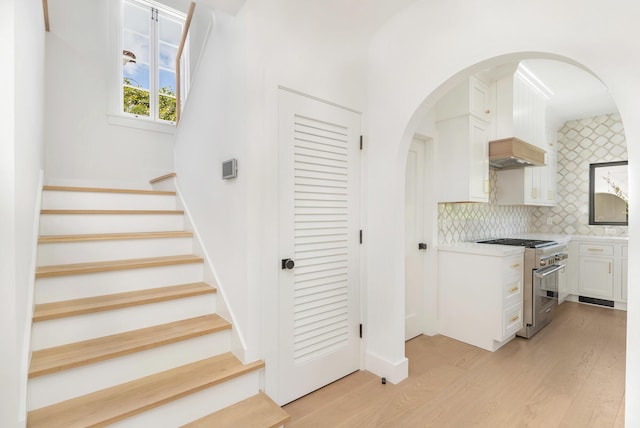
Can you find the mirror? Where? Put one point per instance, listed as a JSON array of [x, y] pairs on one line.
[[608, 193]]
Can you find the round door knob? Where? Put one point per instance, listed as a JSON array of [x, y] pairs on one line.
[[288, 264]]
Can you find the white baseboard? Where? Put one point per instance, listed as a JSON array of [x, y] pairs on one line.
[[394, 372]]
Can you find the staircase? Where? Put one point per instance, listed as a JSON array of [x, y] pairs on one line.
[[125, 331]]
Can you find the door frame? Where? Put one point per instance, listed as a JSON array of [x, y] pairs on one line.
[[430, 231]]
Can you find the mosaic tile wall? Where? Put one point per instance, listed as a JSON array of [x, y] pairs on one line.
[[580, 142], [475, 221]]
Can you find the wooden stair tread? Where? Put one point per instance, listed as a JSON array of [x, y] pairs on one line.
[[128, 399], [78, 354], [107, 190], [68, 308], [113, 212], [46, 239], [258, 411], [112, 265]]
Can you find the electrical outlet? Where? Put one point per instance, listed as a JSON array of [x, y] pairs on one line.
[[549, 220]]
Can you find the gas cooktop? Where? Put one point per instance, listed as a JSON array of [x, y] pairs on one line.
[[528, 243]]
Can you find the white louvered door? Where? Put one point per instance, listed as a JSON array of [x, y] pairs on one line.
[[319, 230]]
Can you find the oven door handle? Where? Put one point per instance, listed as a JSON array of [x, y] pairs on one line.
[[548, 271]]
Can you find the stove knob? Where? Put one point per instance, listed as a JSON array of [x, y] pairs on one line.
[[543, 262]]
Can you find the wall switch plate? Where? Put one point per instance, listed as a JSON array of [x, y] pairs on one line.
[[549, 220]]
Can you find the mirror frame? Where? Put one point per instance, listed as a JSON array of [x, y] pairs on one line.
[[592, 176]]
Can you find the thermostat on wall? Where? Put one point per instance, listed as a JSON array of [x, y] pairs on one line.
[[229, 169]]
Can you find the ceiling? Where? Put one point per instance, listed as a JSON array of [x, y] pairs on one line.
[[573, 92]]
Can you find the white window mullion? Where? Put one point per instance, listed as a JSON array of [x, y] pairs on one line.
[[153, 96]]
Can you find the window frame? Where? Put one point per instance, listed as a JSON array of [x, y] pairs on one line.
[[116, 114]]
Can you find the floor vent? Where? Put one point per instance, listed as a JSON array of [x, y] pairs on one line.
[[594, 301]]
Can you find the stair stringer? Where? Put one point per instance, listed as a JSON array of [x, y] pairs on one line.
[[26, 344], [238, 343]]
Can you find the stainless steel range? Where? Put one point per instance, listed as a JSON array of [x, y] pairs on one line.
[[543, 261]]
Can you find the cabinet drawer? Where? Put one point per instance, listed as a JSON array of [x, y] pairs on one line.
[[512, 267], [512, 292], [511, 320], [596, 249], [625, 251]]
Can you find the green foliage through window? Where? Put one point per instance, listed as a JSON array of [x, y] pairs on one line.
[[136, 101]]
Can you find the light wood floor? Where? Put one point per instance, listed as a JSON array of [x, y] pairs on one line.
[[571, 374]]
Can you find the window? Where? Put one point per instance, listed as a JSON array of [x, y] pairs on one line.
[[150, 36], [608, 193]]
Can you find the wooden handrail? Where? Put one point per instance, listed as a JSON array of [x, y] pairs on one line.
[[185, 31], [45, 9]]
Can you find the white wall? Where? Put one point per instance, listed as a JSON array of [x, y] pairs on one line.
[[212, 130], [81, 146], [232, 112], [436, 40], [21, 160]]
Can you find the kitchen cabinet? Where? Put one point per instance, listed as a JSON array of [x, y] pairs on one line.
[[595, 270], [531, 185], [596, 277], [462, 156], [598, 269], [480, 297]]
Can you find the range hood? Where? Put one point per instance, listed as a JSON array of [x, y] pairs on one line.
[[510, 153]]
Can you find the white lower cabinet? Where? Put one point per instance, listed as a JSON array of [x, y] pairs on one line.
[[601, 269], [480, 297], [596, 276]]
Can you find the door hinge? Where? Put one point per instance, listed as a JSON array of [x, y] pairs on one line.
[[361, 138], [360, 331], [361, 236]]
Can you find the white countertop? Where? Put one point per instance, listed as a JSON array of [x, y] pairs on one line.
[[482, 249], [600, 238], [506, 250]]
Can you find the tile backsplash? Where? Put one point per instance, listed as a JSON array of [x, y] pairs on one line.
[[580, 142]]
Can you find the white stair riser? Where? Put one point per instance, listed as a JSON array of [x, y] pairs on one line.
[[61, 200], [91, 251], [196, 405], [46, 334], [70, 224], [67, 287], [56, 387]]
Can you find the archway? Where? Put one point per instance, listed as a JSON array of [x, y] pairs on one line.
[[432, 42]]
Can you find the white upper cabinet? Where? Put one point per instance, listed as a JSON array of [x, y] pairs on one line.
[[521, 113], [462, 152]]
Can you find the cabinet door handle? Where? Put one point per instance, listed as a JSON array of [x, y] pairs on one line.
[[514, 289], [609, 267], [515, 265], [514, 319], [596, 249]]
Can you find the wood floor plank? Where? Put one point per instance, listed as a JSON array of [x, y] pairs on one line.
[[570, 374], [113, 404], [48, 239], [113, 265], [258, 411], [113, 212], [107, 190], [68, 308], [78, 354]]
